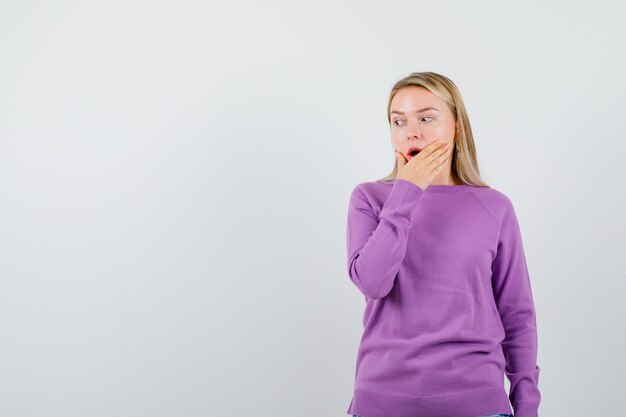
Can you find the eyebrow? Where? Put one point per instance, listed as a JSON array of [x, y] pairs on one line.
[[418, 111]]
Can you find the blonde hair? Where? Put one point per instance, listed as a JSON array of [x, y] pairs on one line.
[[464, 169]]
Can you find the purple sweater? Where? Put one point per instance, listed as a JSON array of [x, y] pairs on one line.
[[448, 303]]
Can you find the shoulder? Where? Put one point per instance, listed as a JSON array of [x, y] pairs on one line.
[[371, 189], [370, 194], [494, 201]]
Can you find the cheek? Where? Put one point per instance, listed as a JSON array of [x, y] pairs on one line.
[[443, 131]]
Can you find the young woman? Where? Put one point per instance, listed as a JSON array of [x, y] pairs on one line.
[[438, 256]]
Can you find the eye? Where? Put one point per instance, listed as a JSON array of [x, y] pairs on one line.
[[395, 122]]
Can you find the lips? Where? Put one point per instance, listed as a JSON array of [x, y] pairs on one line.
[[413, 150]]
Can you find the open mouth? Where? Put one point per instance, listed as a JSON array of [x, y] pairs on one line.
[[413, 151]]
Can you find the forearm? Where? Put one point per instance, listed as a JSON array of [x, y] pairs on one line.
[[377, 245]]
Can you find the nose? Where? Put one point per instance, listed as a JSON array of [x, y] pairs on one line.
[[413, 131]]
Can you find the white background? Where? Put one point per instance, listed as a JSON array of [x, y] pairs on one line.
[[175, 177]]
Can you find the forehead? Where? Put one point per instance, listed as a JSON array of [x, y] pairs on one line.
[[413, 99]]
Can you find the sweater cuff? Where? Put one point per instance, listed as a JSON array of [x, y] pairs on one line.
[[525, 409]]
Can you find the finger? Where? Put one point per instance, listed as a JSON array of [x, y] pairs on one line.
[[401, 160], [439, 157], [431, 148], [436, 153], [437, 168]]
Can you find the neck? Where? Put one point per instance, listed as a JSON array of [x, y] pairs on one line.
[[444, 180]]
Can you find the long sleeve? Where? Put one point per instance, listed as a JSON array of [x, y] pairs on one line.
[[513, 295], [377, 245]]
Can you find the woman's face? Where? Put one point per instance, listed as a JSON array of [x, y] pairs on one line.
[[418, 117]]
